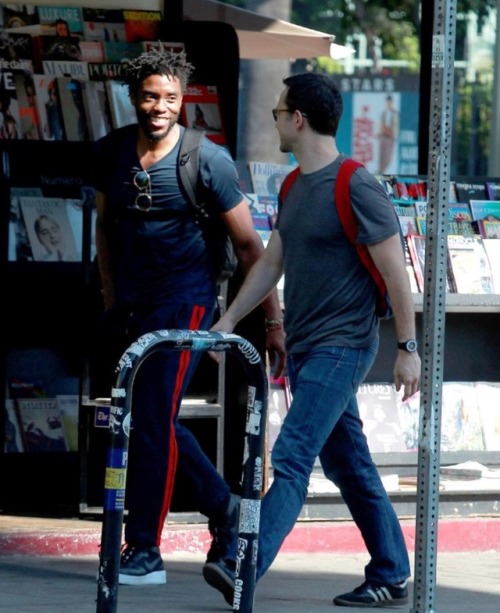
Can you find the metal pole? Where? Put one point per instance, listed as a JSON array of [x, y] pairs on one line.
[[434, 311], [117, 457], [494, 160]]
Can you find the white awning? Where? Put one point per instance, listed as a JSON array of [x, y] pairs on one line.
[[262, 37]]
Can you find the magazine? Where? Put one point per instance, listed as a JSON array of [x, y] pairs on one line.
[[469, 265], [41, 424], [49, 230], [267, 178], [201, 110], [379, 412]]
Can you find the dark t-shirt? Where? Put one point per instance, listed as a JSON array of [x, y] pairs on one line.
[[160, 256], [329, 296]]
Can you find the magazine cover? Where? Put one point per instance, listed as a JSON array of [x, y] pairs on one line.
[[120, 51], [13, 440], [267, 177], [48, 107], [50, 16], [10, 119], [492, 248], [69, 406], [410, 189], [96, 107], [409, 418], [489, 228], [49, 230], [488, 399], [416, 249], [460, 420], [201, 111], [26, 99], [142, 25], [485, 209], [493, 190], [73, 109], [41, 424], [470, 191], [19, 243], [469, 265], [122, 111], [379, 412], [103, 24]]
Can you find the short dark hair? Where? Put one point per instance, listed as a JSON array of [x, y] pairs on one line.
[[157, 62], [317, 96]]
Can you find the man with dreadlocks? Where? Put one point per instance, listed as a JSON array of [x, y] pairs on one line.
[[156, 273]]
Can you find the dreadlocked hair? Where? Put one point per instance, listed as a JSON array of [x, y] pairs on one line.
[[157, 62]]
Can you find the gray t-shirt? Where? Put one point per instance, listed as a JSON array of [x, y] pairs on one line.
[[329, 296]]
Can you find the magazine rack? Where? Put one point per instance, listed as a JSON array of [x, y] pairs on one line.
[[53, 306]]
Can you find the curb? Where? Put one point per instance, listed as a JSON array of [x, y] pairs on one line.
[[21, 536]]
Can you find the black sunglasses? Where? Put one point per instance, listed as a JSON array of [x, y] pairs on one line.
[[144, 199], [276, 111]]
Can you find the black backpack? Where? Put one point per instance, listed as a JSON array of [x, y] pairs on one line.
[[205, 211]]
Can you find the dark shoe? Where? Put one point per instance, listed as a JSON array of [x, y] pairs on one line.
[[368, 595], [220, 575], [224, 532], [219, 568], [141, 566]]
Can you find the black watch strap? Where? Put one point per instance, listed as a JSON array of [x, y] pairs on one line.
[[410, 345]]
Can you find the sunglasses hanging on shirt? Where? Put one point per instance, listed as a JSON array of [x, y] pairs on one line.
[[144, 199]]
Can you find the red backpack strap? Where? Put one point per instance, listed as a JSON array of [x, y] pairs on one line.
[[343, 198], [350, 226], [288, 181]]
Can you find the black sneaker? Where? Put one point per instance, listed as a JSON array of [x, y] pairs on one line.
[[220, 565], [224, 532], [368, 595], [141, 566], [220, 575]]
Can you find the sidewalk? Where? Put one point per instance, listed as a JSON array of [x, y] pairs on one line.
[[296, 583], [50, 565]]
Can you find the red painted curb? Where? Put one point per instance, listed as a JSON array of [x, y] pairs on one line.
[[461, 535]]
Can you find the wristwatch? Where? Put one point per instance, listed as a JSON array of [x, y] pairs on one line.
[[410, 345]]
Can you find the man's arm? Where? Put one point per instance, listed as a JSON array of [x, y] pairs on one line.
[[389, 258], [104, 256], [249, 248]]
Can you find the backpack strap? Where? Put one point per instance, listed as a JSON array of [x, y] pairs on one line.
[[189, 166], [350, 226], [288, 181]]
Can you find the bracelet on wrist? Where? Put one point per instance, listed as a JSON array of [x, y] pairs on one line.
[[273, 324]]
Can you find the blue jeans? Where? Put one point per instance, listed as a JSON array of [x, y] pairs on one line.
[[323, 420]]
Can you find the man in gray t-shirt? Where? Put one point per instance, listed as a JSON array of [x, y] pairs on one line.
[[331, 331]]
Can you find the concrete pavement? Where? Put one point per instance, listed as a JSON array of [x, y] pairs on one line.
[[49, 566], [296, 583]]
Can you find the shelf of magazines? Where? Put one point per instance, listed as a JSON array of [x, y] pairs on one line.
[[191, 408], [200, 415], [455, 303], [465, 303]]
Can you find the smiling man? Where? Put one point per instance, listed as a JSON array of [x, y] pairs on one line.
[[157, 272]]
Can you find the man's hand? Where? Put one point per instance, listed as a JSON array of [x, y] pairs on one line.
[[275, 344], [275, 347], [407, 373], [224, 324]]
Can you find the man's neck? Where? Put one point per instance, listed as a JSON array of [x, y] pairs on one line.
[[149, 152], [314, 154]]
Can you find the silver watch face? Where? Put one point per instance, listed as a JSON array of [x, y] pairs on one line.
[[411, 346]]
